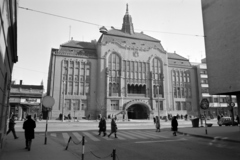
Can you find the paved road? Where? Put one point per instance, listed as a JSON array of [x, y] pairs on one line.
[[146, 144]]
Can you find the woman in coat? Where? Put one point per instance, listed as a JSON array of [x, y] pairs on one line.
[[157, 124], [174, 125], [29, 126], [113, 128], [102, 127]]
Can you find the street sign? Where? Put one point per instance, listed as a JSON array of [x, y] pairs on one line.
[[231, 105], [204, 104], [48, 101]]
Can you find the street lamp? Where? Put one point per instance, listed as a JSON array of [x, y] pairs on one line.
[[63, 106], [158, 103]]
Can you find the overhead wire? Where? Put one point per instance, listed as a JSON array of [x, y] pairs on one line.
[[29, 69], [98, 25]]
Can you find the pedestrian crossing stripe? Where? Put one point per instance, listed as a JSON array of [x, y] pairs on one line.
[[53, 134], [127, 136], [157, 134], [93, 135], [134, 135], [65, 137], [78, 136]]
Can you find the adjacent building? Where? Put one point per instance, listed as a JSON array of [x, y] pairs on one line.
[[124, 73], [222, 35], [218, 104], [8, 56], [25, 100]]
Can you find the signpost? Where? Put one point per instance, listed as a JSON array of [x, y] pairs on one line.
[[205, 105], [230, 107], [48, 102]]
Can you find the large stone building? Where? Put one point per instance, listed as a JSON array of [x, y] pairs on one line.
[[124, 73], [8, 56]]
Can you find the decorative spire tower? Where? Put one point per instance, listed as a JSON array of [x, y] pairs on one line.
[[127, 26]]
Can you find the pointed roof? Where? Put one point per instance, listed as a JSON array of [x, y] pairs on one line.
[[127, 26]]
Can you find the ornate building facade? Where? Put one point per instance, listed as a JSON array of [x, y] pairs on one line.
[[124, 73]]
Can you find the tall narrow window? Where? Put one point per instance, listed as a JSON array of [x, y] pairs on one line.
[[76, 88], [70, 90], [67, 104], [114, 70], [86, 88]]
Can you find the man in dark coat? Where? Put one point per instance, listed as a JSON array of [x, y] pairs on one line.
[[102, 127], [113, 128], [174, 125], [29, 126], [11, 126]]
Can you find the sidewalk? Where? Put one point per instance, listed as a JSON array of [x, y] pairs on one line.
[[224, 133], [14, 149]]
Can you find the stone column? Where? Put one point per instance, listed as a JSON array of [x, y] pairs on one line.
[[19, 112]]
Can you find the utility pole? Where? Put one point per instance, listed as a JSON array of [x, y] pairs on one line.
[[63, 106]]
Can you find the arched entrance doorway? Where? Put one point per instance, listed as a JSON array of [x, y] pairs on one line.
[[138, 111]]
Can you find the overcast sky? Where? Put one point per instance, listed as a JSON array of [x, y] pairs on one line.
[[176, 23]]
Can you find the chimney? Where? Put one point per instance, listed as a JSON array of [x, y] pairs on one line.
[[20, 82]]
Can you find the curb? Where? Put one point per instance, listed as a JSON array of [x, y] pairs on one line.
[[209, 137]]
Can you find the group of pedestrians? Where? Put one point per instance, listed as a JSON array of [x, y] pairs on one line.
[[174, 124], [29, 125], [103, 127]]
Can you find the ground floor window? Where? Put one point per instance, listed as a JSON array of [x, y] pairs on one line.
[[161, 105], [178, 106], [189, 106], [114, 105], [76, 105], [67, 104], [184, 107], [83, 105]]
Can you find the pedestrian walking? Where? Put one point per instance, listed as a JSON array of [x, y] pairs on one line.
[[11, 127], [113, 128], [69, 116], [157, 124], [29, 126], [102, 127], [35, 117], [174, 125], [154, 120]]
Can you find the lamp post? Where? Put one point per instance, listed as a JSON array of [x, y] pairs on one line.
[[158, 104], [63, 106]]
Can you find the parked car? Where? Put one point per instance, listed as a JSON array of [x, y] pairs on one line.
[[227, 121]]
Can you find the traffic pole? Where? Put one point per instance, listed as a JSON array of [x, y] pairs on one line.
[[68, 142], [205, 122], [83, 147], [114, 154], [45, 142]]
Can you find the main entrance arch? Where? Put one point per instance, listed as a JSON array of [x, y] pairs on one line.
[[137, 110]]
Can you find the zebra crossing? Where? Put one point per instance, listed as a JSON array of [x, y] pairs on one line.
[[93, 135]]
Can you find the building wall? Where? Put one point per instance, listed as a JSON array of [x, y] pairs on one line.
[[8, 56], [56, 88], [222, 33], [127, 54], [218, 104]]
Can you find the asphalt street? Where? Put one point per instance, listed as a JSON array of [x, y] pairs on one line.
[[146, 145]]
